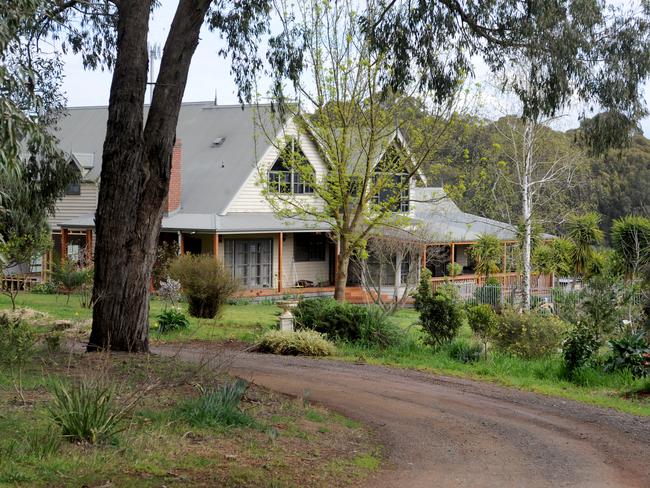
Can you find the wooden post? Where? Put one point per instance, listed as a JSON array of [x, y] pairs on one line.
[[215, 246], [181, 243], [453, 253], [280, 246], [64, 244], [505, 259], [424, 256], [89, 244]]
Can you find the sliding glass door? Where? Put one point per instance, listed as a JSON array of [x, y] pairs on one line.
[[250, 261]]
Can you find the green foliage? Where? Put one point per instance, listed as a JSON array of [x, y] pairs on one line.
[[454, 269], [555, 257], [347, 322], [171, 320], [463, 350], [579, 347], [298, 343], [441, 312], [630, 352], [86, 411], [487, 254], [631, 240], [530, 334], [44, 288], [483, 321], [206, 283], [69, 277], [584, 232], [219, 407], [16, 341]]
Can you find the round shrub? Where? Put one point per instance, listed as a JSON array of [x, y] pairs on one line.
[[206, 283], [441, 313], [579, 347], [530, 334], [298, 343], [483, 321], [631, 352], [347, 322]]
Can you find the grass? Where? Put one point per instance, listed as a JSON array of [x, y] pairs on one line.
[[243, 322], [246, 322], [283, 448]]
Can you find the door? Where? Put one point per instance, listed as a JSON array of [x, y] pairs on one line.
[[250, 261]]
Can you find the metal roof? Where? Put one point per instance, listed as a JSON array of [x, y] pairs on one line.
[[212, 173]]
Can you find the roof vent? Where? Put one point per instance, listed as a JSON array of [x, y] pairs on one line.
[[218, 141]]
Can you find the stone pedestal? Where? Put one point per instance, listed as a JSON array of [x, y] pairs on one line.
[[287, 320]]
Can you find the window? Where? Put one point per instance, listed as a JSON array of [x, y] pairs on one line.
[[285, 175], [73, 189], [397, 185], [309, 247], [394, 191]]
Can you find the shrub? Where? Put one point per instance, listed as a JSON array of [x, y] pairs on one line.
[[52, 341], [529, 335], [219, 407], [630, 352], [463, 351], [298, 343], [171, 320], [16, 341], [206, 283], [579, 347], [345, 321], [69, 277], [86, 411], [483, 321], [441, 313], [45, 288]]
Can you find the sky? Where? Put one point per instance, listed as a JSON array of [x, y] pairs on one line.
[[210, 78]]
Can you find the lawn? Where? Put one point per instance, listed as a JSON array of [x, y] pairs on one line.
[[288, 442], [241, 322], [245, 321]]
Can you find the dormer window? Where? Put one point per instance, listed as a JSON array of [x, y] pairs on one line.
[[286, 175], [393, 181]]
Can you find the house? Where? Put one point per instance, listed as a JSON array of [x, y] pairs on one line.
[[216, 206]]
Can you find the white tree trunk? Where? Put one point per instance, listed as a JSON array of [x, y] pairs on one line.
[[527, 210]]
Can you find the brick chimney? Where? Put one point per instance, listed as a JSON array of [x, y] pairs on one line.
[[174, 194]]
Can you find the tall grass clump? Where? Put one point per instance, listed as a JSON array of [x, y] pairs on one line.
[[87, 411], [298, 343], [220, 407]]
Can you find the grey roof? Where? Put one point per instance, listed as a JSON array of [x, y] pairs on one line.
[[445, 222], [212, 174], [234, 222]]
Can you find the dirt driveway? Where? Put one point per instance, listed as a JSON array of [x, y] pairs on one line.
[[444, 432]]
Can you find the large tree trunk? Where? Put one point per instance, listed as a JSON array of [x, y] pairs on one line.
[[136, 165]]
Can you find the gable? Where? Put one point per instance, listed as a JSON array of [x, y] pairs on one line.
[[249, 197]]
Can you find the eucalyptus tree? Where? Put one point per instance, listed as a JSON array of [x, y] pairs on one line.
[[582, 51]]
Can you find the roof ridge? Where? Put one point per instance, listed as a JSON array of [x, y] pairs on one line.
[[207, 103]]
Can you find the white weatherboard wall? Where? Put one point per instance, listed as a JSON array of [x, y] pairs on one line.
[[249, 198], [72, 206]]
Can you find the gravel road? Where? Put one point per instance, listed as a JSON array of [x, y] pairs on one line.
[[447, 432]]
